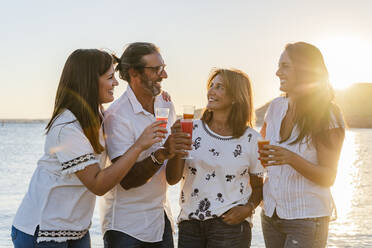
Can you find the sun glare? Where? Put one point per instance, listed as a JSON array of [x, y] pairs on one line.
[[343, 189], [348, 60]]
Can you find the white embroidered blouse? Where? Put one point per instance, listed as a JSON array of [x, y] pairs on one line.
[[56, 199], [217, 177]]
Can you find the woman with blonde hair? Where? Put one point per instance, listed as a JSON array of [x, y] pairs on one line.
[[306, 132], [222, 184]]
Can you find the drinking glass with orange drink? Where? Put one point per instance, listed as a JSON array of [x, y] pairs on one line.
[[162, 114], [261, 144], [187, 122]]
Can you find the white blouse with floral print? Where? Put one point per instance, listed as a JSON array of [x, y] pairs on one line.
[[217, 177]]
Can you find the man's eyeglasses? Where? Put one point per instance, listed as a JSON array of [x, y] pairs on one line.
[[159, 69]]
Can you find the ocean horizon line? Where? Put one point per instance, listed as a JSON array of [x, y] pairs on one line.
[[23, 120]]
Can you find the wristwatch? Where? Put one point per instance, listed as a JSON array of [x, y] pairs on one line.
[[156, 162]]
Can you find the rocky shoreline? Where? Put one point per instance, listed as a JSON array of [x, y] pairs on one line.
[[355, 103]]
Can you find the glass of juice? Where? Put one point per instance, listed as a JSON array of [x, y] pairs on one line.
[[261, 144], [187, 122], [162, 114]]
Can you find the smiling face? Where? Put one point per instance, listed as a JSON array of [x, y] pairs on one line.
[[106, 84], [286, 73], [151, 76], [218, 98]]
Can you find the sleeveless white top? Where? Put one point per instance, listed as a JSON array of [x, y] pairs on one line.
[[285, 190]]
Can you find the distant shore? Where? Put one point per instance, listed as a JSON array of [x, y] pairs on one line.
[[23, 120], [355, 103]]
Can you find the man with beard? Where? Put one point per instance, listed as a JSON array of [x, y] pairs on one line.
[[136, 212]]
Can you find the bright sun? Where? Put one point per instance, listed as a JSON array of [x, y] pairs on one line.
[[348, 60]]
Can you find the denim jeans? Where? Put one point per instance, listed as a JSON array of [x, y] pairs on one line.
[[213, 233], [116, 239], [24, 240], [282, 233]]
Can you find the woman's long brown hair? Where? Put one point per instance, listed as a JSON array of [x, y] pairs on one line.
[[78, 91], [239, 87], [315, 109]]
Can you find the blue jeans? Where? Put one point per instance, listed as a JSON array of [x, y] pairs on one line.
[[282, 233], [116, 239], [213, 233], [24, 240]]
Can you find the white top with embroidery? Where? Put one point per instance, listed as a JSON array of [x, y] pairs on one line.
[[56, 199], [285, 190], [217, 177], [138, 212]]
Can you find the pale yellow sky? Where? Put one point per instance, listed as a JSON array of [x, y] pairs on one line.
[[194, 36]]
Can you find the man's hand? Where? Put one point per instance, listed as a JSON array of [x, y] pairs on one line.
[[177, 143], [166, 96]]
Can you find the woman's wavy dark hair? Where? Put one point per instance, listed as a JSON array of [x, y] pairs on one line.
[[315, 109], [239, 87], [78, 91]]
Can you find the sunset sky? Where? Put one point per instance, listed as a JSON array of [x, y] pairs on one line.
[[194, 36]]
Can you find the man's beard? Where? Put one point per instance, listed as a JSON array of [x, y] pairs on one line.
[[150, 86]]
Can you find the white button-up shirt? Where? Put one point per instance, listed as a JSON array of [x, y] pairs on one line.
[[56, 200], [138, 212], [285, 190]]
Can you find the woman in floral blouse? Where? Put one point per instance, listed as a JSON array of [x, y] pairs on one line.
[[222, 183]]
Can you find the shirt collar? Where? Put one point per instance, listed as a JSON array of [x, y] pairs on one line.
[[136, 105]]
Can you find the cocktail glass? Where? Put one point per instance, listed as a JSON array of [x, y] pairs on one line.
[[187, 122], [162, 114]]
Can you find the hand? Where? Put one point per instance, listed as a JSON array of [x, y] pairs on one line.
[[177, 143], [166, 96], [152, 134], [176, 128], [276, 155], [237, 214]]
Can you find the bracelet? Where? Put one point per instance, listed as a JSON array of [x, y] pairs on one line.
[[252, 206], [156, 162]]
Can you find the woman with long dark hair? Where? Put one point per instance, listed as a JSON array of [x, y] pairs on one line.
[[222, 184], [58, 207], [306, 132]]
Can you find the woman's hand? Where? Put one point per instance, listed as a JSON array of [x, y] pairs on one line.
[[237, 214], [323, 172], [276, 155], [152, 134], [166, 96], [178, 143]]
